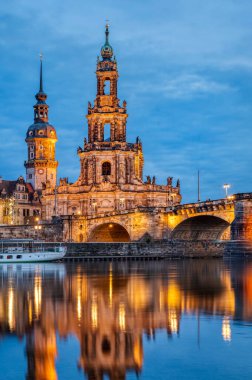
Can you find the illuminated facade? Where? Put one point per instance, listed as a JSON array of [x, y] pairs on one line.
[[111, 174], [19, 203]]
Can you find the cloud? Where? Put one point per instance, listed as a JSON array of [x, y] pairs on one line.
[[183, 86]]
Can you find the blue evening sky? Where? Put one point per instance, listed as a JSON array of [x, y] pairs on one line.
[[185, 70]]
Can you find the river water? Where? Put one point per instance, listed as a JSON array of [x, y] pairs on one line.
[[187, 319]]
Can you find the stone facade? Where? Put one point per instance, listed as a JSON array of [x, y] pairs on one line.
[[111, 174], [19, 202], [242, 226]]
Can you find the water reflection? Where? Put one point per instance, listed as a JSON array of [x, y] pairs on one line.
[[109, 307]]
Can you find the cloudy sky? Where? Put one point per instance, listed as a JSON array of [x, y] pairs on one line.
[[185, 70]]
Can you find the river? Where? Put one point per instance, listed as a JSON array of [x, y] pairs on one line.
[[185, 319]]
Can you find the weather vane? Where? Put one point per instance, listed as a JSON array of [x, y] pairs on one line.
[[41, 56], [107, 22]]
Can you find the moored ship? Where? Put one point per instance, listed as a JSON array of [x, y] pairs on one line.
[[27, 250]]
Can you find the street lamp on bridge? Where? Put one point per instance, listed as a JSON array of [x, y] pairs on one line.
[[226, 186]]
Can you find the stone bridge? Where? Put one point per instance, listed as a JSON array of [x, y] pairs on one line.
[[229, 218]]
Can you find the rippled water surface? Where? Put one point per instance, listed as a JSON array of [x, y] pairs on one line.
[[153, 320]]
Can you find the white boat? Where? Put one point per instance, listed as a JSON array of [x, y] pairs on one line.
[[29, 251]]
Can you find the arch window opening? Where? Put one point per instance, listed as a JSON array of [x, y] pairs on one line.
[[106, 87], [106, 168], [106, 132]]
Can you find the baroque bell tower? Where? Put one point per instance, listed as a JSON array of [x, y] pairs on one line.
[[106, 156], [41, 137]]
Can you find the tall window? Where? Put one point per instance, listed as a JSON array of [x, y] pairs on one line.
[[106, 168], [106, 87], [106, 131]]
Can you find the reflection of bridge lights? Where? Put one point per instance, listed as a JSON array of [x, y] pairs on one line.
[[173, 294], [79, 308], [226, 329], [110, 285], [79, 298], [37, 295], [173, 321], [94, 314], [29, 310], [122, 316], [11, 317]]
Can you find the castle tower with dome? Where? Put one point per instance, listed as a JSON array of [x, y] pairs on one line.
[[41, 137]]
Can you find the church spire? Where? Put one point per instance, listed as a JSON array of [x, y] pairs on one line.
[[41, 73], [41, 165], [41, 108], [107, 34]]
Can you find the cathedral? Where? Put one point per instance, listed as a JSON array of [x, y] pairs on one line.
[[111, 180]]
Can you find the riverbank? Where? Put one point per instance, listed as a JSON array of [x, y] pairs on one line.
[[143, 250]]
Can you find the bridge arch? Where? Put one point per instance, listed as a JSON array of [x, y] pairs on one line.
[[109, 232], [201, 227]]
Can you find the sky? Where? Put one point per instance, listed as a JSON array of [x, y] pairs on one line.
[[185, 71]]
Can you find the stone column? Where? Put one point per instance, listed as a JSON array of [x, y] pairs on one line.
[[99, 132], [90, 171], [121, 170], [112, 131], [116, 169], [94, 169]]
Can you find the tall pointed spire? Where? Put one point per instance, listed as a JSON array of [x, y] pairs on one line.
[[41, 108], [107, 34], [41, 165], [41, 73]]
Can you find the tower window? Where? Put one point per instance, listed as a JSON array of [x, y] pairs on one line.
[[106, 168], [106, 132], [31, 155], [106, 87]]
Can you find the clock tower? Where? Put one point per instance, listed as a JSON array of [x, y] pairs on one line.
[[41, 137]]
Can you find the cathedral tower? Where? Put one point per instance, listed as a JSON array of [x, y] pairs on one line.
[[106, 156], [41, 166]]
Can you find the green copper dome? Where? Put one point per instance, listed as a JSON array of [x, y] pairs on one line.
[[107, 50]]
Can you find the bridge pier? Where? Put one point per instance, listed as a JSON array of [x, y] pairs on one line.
[[241, 228]]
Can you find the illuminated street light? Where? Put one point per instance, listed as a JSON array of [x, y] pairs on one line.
[[226, 186]]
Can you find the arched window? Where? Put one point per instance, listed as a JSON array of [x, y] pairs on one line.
[[106, 132], [106, 168], [106, 87]]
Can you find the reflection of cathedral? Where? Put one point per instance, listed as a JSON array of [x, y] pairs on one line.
[[111, 175], [108, 312]]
